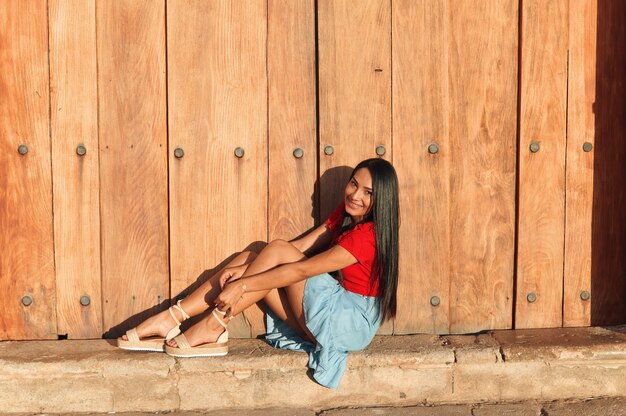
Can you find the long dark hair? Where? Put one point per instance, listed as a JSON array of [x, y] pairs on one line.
[[384, 213]]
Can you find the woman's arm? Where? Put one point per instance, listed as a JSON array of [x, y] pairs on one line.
[[335, 258]]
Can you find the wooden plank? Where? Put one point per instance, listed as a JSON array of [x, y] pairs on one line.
[[354, 43], [541, 213], [483, 133], [26, 241], [420, 118], [292, 120], [74, 122], [133, 160], [354, 89], [579, 163], [217, 92], [608, 270], [291, 123]]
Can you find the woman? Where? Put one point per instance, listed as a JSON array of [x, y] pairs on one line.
[[327, 292]]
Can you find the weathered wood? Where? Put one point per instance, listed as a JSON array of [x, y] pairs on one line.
[[420, 118], [579, 164], [543, 98], [354, 92], [133, 160], [608, 264], [291, 122], [354, 89], [483, 124], [26, 245], [217, 102], [74, 122]]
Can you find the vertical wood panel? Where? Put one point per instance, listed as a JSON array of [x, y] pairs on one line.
[[74, 121], [420, 118], [217, 102], [483, 104], [608, 271], [26, 245], [133, 163], [579, 164], [354, 88], [542, 174], [291, 122], [354, 44], [291, 89]]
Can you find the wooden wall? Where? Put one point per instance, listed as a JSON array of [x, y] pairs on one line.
[[164, 136]]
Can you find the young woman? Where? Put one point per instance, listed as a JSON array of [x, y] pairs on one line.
[[327, 292]]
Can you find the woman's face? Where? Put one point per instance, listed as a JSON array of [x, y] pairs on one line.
[[358, 194]]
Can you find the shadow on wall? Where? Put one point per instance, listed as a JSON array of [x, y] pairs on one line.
[[331, 184], [608, 261]]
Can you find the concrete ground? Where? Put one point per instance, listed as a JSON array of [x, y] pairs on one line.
[[525, 372]]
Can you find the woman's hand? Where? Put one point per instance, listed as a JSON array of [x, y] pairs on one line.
[[232, 274], [230, 296]]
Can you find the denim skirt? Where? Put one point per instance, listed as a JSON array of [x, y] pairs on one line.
[[341, 321]]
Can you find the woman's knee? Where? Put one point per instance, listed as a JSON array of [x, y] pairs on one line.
[[283, 249]]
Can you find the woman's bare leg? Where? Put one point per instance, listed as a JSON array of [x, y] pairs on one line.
[[276, 253], [197, 302]]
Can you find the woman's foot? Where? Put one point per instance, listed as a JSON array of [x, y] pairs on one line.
[[205, 331], [161, 323]]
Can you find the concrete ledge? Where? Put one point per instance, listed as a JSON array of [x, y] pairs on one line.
[[93, 376]]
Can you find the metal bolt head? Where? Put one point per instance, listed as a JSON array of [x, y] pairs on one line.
[[534, 147], [85, 300], [81, 150], [587, 146], [585, 295], [433, 148], [239, 152], [435, 301], [22, 149], [531, 297], [298, 153], [179, 152], [328, 150], [380, 150], [27, 300]]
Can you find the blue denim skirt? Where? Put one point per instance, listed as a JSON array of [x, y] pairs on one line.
[[340, 321]]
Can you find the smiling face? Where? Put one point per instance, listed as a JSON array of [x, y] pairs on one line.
[[358, 194]]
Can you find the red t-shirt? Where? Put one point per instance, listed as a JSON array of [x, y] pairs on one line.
[[361, 243]]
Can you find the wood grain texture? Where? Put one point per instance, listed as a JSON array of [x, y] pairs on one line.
[[354, 89], [292, 120], [354, 49], [217, 101], [291, 123], [133, 159], [483, 106], [543, 96], [26, 245], [74, 121], [420, 118], [608, 270], [579, 164]]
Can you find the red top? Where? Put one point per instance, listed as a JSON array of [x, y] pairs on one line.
[[361, 243]]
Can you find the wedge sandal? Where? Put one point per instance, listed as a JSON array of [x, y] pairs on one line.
[[209, 349], [156, 344]]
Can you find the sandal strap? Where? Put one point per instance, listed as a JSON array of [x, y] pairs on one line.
[[181, 342], [216, 316], [179, 309], [132, 336]]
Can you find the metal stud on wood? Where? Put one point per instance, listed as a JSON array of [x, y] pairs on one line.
[[85, 300], [585, 295], [179, 152], [531, 297], [587, 146], [534, 147], [81, 150], [298, 153], [433, 149], [380, 150], [27, 300], [22, 149], [329, 150], [239, 152], [435, 301]]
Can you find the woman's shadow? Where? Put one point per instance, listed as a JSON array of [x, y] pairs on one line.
[[330, 184]]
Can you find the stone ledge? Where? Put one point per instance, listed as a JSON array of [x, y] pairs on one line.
[[94, 376]]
